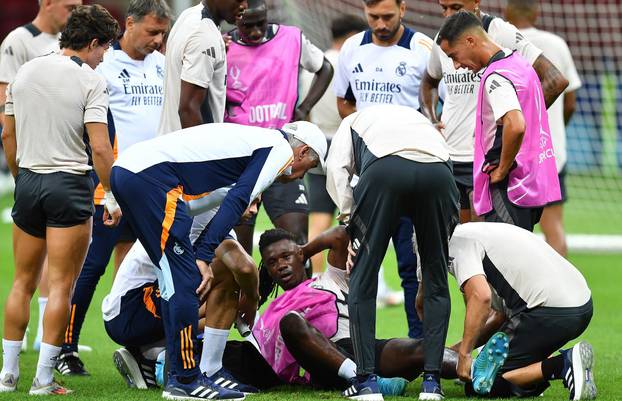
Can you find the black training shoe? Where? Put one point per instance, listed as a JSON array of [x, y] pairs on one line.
[[578, 372], [363, 388], [137, 371], [201, 388], [70, 364]]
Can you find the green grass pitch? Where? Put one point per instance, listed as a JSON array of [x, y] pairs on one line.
[[603, 272]]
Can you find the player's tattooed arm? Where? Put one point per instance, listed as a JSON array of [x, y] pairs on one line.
[[428, 99], [552, 80]]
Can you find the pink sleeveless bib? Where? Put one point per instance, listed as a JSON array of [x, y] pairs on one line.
[[318, 307], [533, 182], [262, 81]]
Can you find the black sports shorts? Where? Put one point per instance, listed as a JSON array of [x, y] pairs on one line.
[[463, 174], [281, 198], [51, 200]]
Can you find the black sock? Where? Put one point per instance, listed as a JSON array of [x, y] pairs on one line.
[[186, 379], [552, 368], [432, 375]]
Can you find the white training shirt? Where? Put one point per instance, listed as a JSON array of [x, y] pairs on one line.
[[460, 102], [22, 45], [136, 90], [370, 74], [325, 114], [500, 97], [556, 50], [523, 269], [384, 130], [51, 98], [195, 53], [137, 269]]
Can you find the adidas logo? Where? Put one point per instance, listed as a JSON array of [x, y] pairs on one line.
[[302, 200], [8, 51], [210, 52], [124, 74], [494, 85], [519, 37], [357, 69]]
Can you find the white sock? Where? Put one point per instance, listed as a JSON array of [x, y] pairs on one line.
[[42, 302], [10, 357], [347, 370], [214, 342], [47, 360]]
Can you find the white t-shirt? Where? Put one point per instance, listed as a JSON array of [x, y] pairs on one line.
[[499, 98], [523, 269], [51, 98], [136, 90], [22, 45], [137, 269], [195, 53], [556, 50], [460, 103], [384, 130], [370, 74], [325, 114]]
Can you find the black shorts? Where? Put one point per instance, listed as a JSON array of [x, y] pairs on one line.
[[281, 198], [504, 211], [246, 364], [562, 188], [51, 200], [319, 199], [139, 321], [537, 333], [463, 174]]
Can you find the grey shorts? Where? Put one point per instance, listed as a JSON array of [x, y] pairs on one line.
[[51, 200]]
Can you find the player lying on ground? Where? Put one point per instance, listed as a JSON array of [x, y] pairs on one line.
[[547, 304], [132, 310], [308, 325]]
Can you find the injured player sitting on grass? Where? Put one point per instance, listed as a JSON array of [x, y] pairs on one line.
[[308, 325]]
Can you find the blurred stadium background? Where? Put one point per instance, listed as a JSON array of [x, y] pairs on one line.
[[593, 31]]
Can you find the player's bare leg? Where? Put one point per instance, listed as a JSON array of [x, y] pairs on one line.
[[120, 251], [552, 225]]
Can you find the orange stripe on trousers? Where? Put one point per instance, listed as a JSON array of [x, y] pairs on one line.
[[172, 197]]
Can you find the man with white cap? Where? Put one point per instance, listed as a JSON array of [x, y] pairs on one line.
[[150, 178]]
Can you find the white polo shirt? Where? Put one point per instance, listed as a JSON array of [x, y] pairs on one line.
[[523, 269], [51, 98], [22, 45], [195, 53]]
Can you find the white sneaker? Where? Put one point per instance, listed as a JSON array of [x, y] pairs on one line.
[[8, 383], [52, 388]]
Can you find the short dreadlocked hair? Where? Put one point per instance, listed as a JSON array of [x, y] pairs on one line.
[[267, 286]]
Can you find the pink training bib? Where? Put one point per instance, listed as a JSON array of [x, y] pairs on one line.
[[534, 181], [318, 307], [262, 81]]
